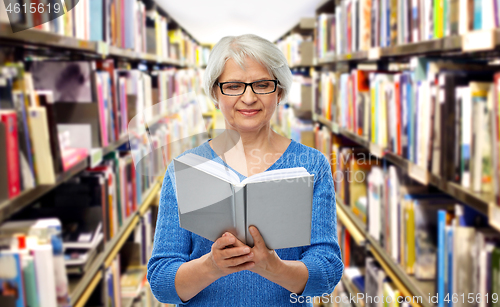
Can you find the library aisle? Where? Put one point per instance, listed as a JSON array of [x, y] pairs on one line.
[[402, 97]]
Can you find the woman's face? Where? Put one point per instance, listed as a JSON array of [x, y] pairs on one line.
[[247, 112]]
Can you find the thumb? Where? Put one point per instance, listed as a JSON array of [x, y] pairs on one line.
[[258, 241]]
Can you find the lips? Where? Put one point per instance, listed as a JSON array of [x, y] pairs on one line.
[[249, 112]]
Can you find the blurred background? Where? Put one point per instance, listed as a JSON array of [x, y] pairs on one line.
[[401, 96]]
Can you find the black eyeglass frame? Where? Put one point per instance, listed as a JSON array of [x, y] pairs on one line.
[[276, 82]]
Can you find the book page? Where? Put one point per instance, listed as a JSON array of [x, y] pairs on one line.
[[210, 166], [277, 175]]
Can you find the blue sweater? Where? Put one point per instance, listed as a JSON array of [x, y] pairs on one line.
[[173, 245]]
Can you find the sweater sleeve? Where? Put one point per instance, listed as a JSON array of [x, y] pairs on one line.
[[172, 245], [322, 258]]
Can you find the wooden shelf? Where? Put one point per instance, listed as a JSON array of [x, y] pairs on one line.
[[405, 283], [89, 289], [358, 234], [83, 288], [11, 206], [450, 45], [479, 201], [34, 38], [348, 287]]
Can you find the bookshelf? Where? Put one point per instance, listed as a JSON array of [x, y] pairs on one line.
[[171, 69], [343, 54], [349, 288], [452, 46], [480, 201], [40, 39], [297, 44], [11, 206], [82, 289], [406, 284]]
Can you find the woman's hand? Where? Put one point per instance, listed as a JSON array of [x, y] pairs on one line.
[[267, 262], [291, 275], [229, 255]]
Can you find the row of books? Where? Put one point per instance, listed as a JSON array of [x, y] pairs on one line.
[[32, 264], [442, 116], [122, 23], [323, 140], [290, 46], [33, 255], [364, 282], [93, 206], [125, 279], [112, 191], [294, 115], [429, 235], [289, 124], [54, 115], [358, 25], [300, 95]]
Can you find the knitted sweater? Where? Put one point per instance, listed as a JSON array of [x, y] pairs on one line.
[[173, 245]]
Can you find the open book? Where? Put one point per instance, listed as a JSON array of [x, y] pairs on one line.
[[212, 200]]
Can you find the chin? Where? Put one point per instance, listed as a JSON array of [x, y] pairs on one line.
[[250, 125]]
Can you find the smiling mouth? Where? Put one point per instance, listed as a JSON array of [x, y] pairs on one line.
[[249, 112]]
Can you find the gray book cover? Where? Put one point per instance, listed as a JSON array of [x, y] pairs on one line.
[[211, 203]]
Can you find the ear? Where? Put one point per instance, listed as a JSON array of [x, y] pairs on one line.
[[280, 94]]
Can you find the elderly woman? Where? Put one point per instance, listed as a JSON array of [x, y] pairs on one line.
[[247, 77]]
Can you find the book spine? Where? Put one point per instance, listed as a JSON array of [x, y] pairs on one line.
[[495, 276], [29, 276], [449, 264], [96, 20], [410, 238], [46, 282], [14, 180], [478, 15], [135, 201], [397, 147], [440, 287], [239, 210], [41, 145], [496, 138], [102, 109], [46, 101]]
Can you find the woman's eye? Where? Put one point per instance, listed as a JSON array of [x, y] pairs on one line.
[[233, 86]]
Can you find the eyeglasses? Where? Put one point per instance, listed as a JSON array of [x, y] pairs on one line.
[[238, 88]]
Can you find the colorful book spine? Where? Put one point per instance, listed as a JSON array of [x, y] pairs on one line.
[[478, 15], [11, 279], [102, 109], [9, 120], [441, 229], [96, 20]]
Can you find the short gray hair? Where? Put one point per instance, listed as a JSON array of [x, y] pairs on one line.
[[237, 48]]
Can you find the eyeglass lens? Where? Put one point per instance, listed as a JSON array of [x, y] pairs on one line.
[[260, 87]]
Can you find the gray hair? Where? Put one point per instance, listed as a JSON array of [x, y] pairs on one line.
[[237, 48]]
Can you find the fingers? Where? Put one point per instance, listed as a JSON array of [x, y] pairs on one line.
[[235, 252], [237, 242], [224, 241], [231, 255], [236, 261]]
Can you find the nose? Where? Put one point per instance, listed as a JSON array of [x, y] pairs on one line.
[[249, 97]]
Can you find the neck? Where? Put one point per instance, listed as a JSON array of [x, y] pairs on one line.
[[245, 142]]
